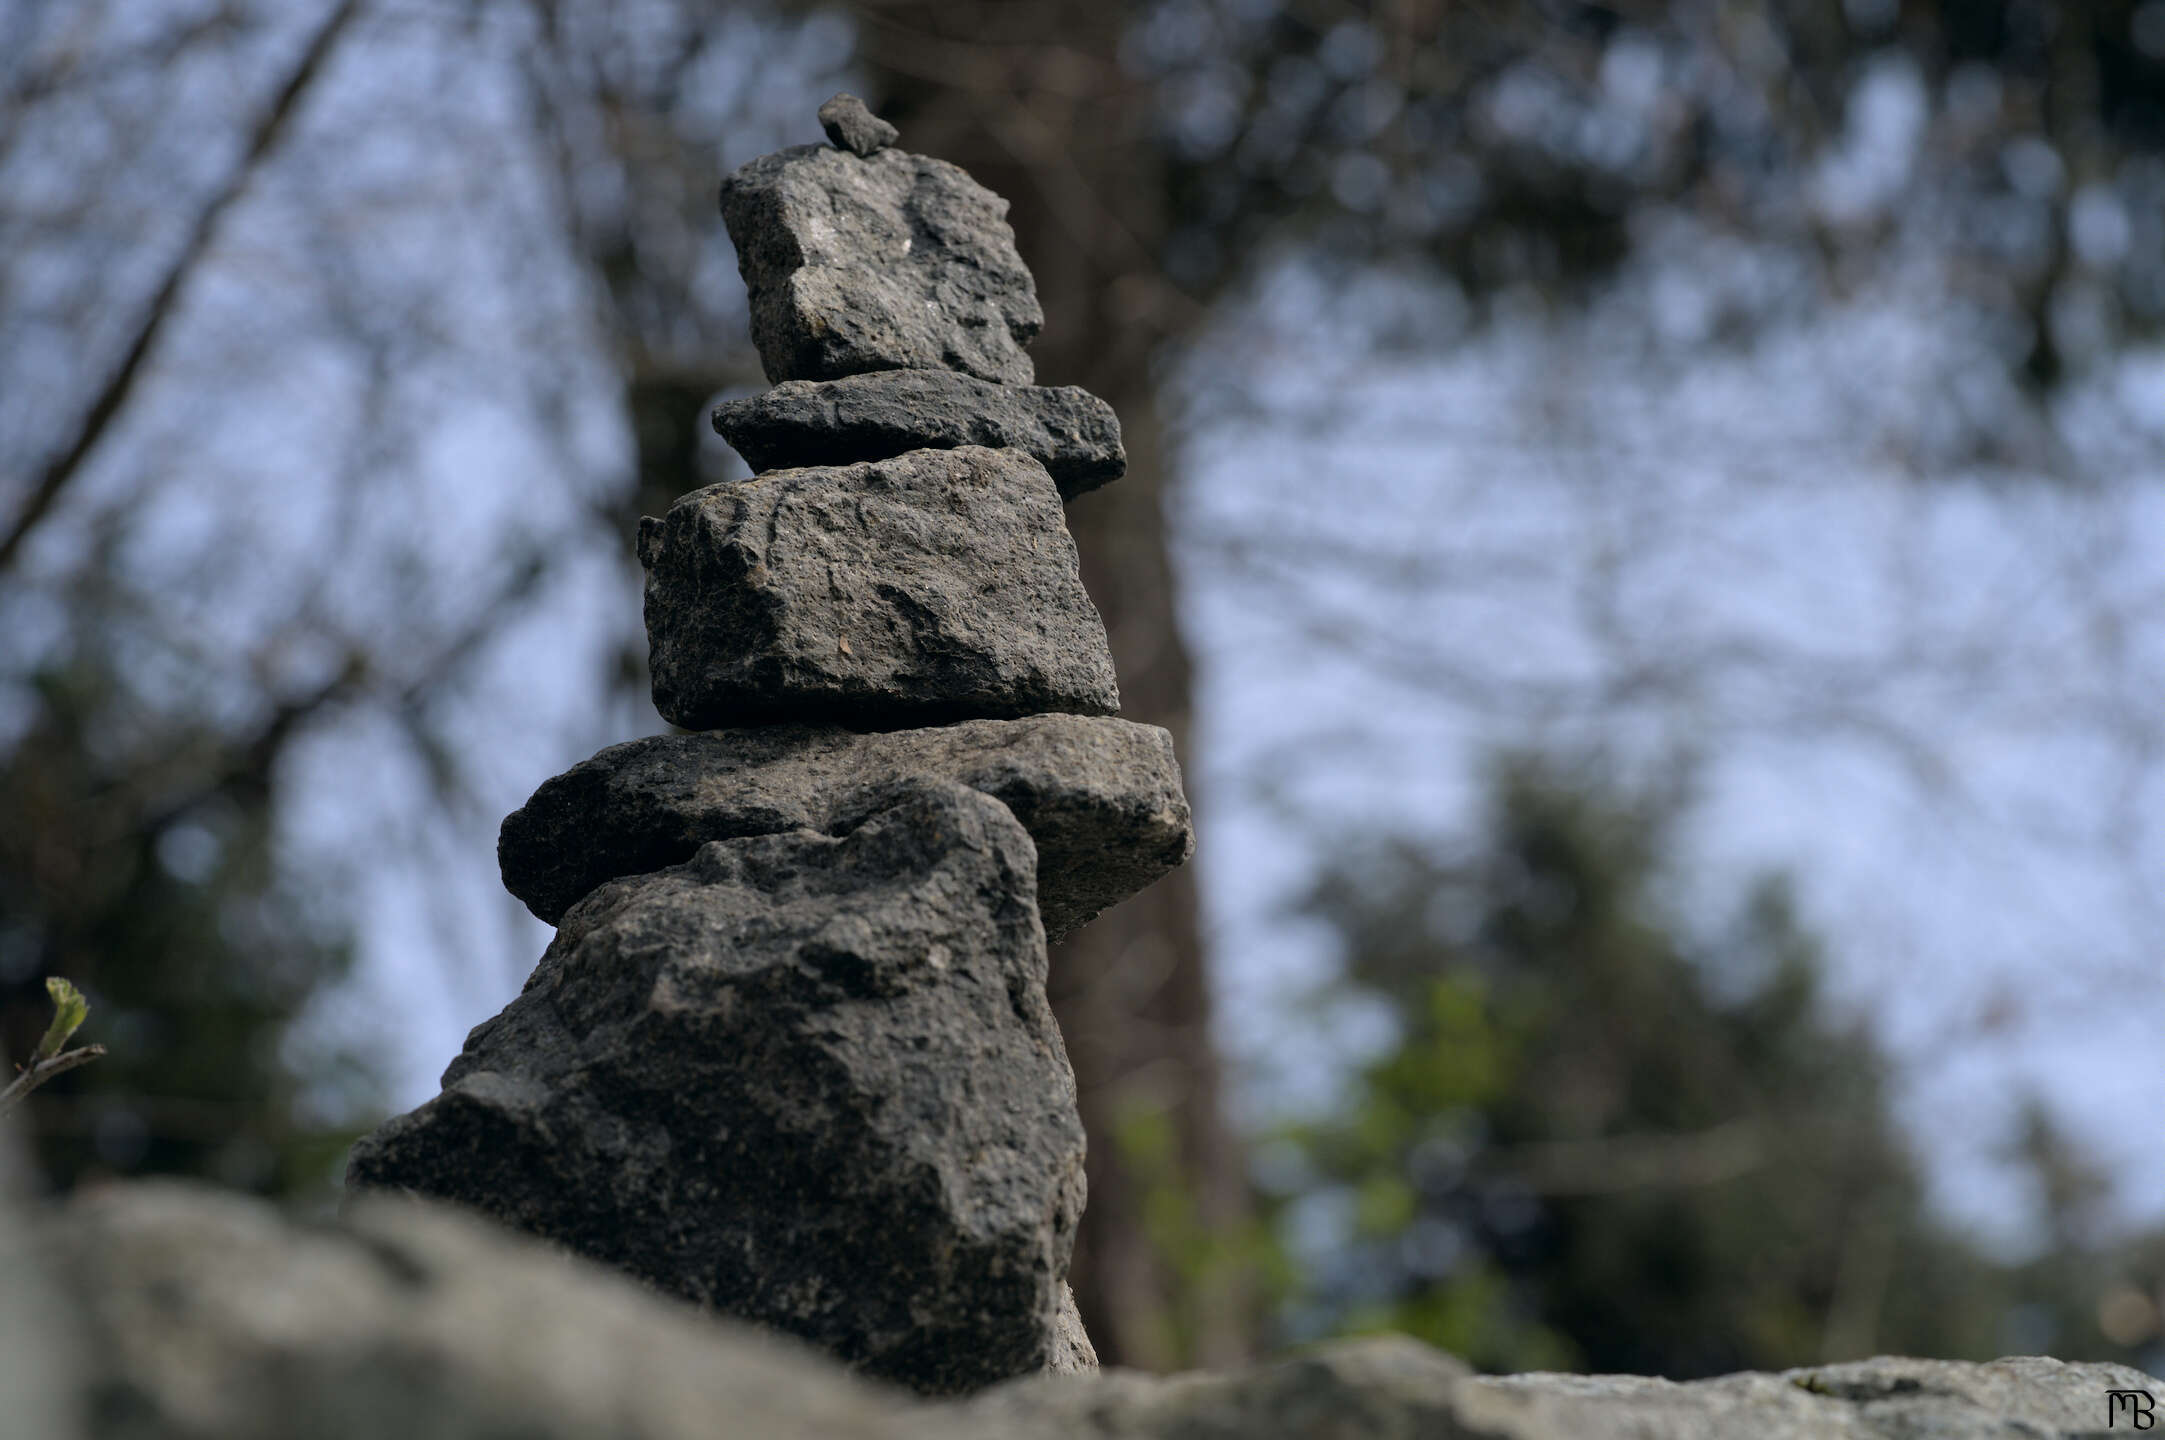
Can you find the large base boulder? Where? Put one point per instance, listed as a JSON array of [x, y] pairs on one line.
[[938, 585], [810, 1080], [1100, 796]]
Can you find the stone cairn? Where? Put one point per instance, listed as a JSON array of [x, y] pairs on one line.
[[789, 1055]]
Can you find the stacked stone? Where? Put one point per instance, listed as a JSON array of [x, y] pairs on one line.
[[789, 1055]]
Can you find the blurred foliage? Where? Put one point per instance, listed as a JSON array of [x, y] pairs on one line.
[[183, 276], [1203, 1257], [1530, 147], [141, 869], [1596, 1144]]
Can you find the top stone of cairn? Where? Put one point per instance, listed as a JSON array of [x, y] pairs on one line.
[[854, 128], [866, 258]]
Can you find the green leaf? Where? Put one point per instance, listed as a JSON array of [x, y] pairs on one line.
[[70, 1010]]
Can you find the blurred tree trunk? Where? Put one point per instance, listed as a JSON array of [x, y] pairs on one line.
[[1059, 130]]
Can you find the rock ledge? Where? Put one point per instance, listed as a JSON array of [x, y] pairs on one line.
[[207, 1316]]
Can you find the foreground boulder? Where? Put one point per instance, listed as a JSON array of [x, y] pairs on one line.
[[1100, 797], [41, 1351], [207, 1315], [1066, 429], [938, 585], [1393, 1388], [887, 261], [213, 1317], [810, 1080]]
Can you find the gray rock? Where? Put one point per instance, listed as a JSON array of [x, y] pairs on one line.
[[41, 1349], [214, 1318], [1889, 1398], [1393, 1388], [853, 127], [1385, 1388], [1072, 1353], [1069, 431], [1100, 797], [890, 261], [218, 1319], [808, 1080], [939, 585]]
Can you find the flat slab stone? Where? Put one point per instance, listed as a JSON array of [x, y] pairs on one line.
[[808, 1080], [1069, 431], [1100, 797], [888, 261], [938, 585]]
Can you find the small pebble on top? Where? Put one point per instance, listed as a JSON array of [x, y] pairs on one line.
[[854, 128]]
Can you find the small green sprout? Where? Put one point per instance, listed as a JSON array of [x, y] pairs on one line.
[[70, 1010]]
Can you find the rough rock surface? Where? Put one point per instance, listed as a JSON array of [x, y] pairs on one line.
[[938, 585], [890, 261], [213, 1318], [1385, 1388], [809, 1080], [1888, 1398], [853, 127], [1393, 1388], [1100, 796], [1069, 431], [1071, 1353]]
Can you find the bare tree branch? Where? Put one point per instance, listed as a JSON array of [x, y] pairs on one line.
[[43, 1070], [70, 1009], [66, 70], [97, 420], [1617, 1163]]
